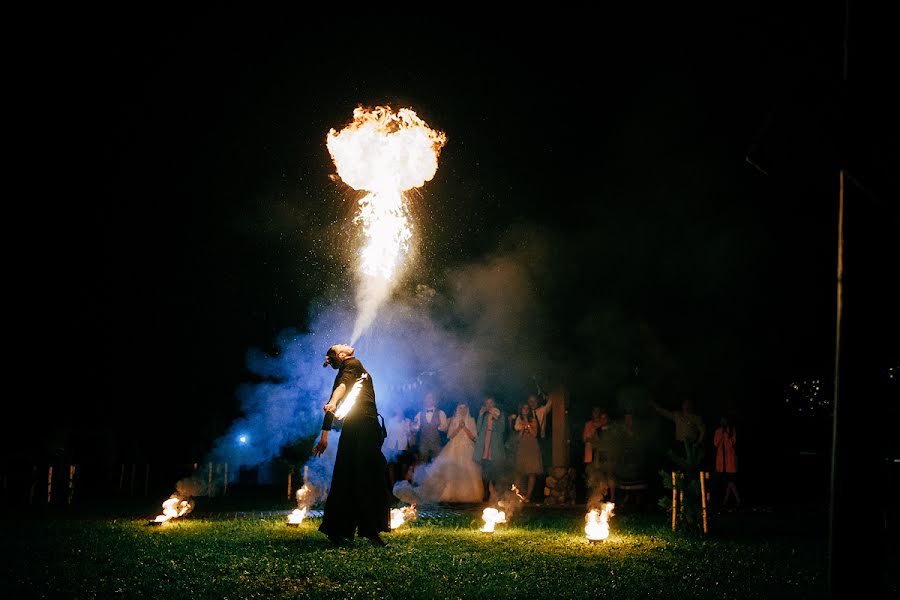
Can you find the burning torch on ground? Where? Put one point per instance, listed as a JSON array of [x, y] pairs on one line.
[[306, 495], [173, 508], [399, 516], [384, 153], [597, 527]]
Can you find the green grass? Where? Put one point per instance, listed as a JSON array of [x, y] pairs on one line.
[[541, 554]]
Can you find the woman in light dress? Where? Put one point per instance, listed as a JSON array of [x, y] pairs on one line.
[[454, 476]]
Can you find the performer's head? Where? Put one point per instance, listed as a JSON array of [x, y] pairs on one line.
[[337, 354]]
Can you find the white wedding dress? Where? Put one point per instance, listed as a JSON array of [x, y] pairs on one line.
[[454, 476]]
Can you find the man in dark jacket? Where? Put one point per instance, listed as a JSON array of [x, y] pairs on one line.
[[359, 498]]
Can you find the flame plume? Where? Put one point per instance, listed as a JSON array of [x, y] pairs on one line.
[[174, 507], [383, 153], [491, 517], [597, 527], [306, 495], [399, 516]]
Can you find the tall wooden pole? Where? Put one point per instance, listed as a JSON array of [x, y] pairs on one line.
[[835, 438]]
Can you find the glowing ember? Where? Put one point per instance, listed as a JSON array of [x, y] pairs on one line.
[[296, 517], [173, 508], [597, 527], [491, 517], [384, 153], [515, 490], [350, 399], [399, 516]]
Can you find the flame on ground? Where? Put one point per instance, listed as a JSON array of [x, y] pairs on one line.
[[597, 527], [296, 517], [491, 517], [383, 153], [399, 516], [175, 507]]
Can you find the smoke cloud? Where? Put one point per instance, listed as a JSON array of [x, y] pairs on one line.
[[478, 335]]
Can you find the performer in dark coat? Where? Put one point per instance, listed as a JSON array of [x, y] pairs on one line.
[[359, 498]]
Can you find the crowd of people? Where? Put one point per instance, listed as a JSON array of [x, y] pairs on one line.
[[458, 456], [467, 457], [620, 455]]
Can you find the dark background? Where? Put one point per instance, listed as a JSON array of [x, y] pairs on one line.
[[681, 168]]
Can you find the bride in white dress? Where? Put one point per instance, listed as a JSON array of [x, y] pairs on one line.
[[453, 476]]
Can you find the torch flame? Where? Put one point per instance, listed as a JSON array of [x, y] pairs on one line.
[[305, 496], [399, 516], [491, 517], [384, 153], [350, 399], [597, 527], [296, 517], [173, 508]]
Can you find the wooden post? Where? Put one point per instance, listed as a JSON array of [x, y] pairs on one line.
[[71, 484], [131, 486], [559, 410], [122, 478], [289, 490], [49, 483], [147, 480], [209, 487], [225, 488], [703, 476], [674, 501]]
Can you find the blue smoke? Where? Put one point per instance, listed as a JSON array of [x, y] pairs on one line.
[[479, 338]]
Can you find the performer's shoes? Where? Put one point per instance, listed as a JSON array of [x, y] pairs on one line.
[[376, 540], [337, 540]]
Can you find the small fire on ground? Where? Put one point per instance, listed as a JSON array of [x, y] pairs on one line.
[[399, 516], [491, 517], [597, 527], [173, 508]]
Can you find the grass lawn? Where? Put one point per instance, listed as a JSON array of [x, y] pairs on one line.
[[541, 553]]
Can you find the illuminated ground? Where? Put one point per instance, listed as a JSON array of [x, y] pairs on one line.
[[541, 553]]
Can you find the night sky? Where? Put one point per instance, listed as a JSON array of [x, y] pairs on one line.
[[671, 184]]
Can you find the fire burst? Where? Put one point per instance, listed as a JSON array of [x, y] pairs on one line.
[[399, 516], [296, 517], [491, 517], [305, 496], [383, 153], [173, 508], [597, 527]]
